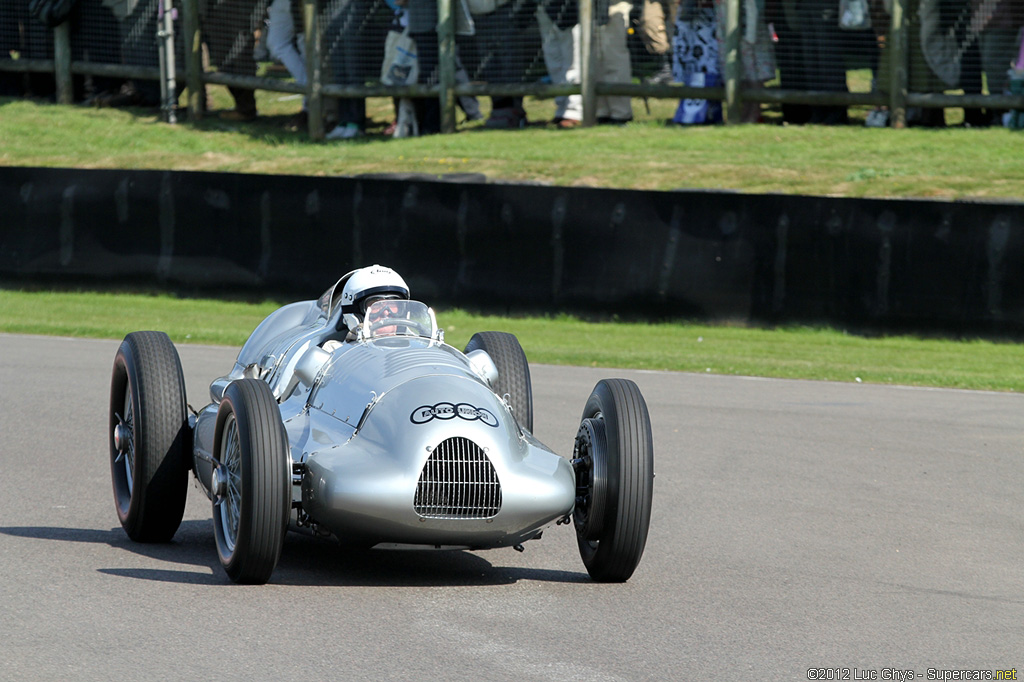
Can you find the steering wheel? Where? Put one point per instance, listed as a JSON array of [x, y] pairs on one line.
[[414, 327]]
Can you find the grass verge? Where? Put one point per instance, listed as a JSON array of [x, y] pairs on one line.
[[848, 160], [792, 353]]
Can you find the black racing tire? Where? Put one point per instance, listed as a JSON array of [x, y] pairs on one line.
[[149, 437], [513, 372], [614, 462], [251, 487]]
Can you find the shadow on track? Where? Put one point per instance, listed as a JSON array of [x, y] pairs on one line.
[[305, 561]]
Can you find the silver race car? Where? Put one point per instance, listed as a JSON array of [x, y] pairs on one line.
[[349, 416]]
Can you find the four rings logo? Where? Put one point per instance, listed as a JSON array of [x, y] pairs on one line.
[[446, 411]]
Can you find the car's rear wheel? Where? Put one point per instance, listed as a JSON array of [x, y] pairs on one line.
[[251, 485], [513, 372], [614, 462], [149, 437]]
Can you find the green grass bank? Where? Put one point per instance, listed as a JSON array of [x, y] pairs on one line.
[[847, 160], [792, 353]]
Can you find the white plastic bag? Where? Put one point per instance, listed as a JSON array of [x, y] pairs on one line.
[[400, 66]]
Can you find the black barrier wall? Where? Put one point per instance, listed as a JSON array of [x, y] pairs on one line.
[[857, 263]]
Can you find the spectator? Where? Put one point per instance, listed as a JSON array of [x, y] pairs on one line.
[[656, 27], [611, 57], [971, 83], [696, 61], [422, 28], [999, 41], [1014, 119], [136, 26], [558, 21], [282, 18], [921, 77], [349, 37], [29, 38], [960, 39], [468, 103], [810, 56], [490, 54], [794, 71], [757, 56], [400, 67], [230, 30]]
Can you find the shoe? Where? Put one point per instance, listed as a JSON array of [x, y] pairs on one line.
[[608, 120], [299, 121], [100, 99], [236, 116], [346, 131], [566, 123], [126, 96], [471, 107], [506, 119], [662, 76], [829, 116], [879, 118], [390, 130]]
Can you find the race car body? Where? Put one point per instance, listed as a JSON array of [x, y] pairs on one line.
[[374, 432]]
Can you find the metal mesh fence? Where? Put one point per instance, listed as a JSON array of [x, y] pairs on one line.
[[230, 29], [817, 47], [504, 49], [113, 46], [960, 45], [847, 46], [354, 35], [834, 50], [21, 36]]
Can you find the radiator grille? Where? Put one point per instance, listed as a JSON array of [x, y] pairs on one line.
[[458, 482]]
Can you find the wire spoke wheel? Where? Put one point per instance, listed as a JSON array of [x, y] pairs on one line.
[[227, 506], [128, 447], [251, 484]]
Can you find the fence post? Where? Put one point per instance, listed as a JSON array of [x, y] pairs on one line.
[[193, 60], [587, 73], [733, 66], [314, 68], [446, 64], [168, 70], [898, 66], [62, 63]]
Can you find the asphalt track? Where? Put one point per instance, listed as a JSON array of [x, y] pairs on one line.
[[797, 525]]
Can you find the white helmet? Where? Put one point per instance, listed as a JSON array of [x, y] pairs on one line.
[[373, 282]]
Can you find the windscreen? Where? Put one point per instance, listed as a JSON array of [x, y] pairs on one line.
[[395, 317]]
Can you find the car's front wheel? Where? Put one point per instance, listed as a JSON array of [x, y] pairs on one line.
[[251, 486], [148, 436], [614, 462]]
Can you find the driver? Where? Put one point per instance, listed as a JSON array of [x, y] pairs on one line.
[[367, 286], [379, 310]]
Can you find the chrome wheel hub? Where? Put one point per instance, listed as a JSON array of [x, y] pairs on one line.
[[219, 483], [121, 438]]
